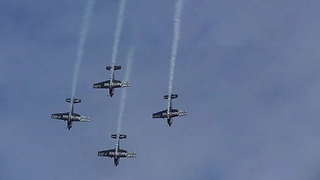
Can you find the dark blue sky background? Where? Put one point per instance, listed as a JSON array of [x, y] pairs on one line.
[[247, 72]]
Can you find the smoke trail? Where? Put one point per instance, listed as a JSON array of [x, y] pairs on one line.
[[124, 92], [176, 36], [82, 40], [117, 33]]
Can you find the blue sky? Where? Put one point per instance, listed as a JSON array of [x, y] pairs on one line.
[[247, 72]]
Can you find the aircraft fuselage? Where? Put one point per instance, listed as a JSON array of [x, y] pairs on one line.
[[112, 86]]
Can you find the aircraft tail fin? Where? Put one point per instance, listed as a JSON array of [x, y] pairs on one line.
[[121, 136], [115, 67], [173, 96], [74, 100]]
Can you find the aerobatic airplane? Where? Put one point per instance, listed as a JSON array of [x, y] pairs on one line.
[[112, 83], [117, 153], [71, 116], [172, 112]]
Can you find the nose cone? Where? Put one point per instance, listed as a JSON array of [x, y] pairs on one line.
[[116, 161]]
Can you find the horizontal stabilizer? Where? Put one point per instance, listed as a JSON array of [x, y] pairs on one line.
[[115, 67], [121, 136], [173, 96], [74, 100]]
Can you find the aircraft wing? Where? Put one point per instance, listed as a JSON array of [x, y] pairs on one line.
[[161, 114], [125, 84], [124, 154], [60, 116], [122, 83], [112, 153], [103, 84], [182, 113], [179, 112], [131, 154], [107, 153]]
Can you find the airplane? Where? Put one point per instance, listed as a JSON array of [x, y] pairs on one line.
[[170, 113], [71, 116], [112, 83], [117, 153]]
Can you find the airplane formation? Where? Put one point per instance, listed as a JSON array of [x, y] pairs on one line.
[[111, 84]]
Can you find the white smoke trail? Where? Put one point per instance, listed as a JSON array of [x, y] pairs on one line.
[[176, 36], [117, 34], [124, 92], [82, 40]]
